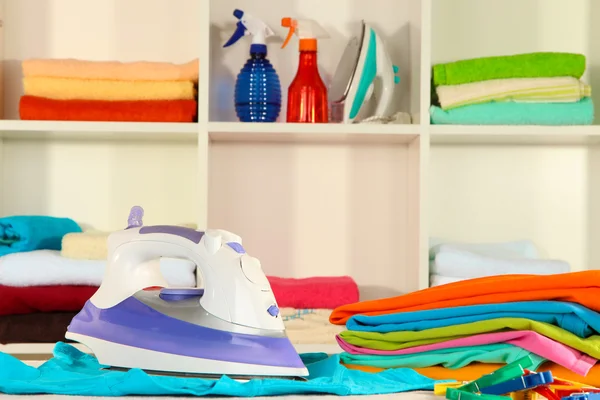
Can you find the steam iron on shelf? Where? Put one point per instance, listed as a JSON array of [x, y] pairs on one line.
[[230, 327], [364, 72]]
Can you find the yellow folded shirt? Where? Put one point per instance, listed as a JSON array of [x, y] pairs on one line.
[[88, 89]]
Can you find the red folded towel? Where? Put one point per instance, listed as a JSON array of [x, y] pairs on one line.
[[40, 108], [316, 292], [33, 299]]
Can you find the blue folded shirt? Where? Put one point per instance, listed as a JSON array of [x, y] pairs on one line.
[[33, 232], [72, 372], [572, 317]]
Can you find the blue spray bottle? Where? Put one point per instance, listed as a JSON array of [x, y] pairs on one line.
[[257, 88]]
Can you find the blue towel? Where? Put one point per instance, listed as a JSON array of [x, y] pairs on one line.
[[572, 317], [72, 372], [33, 232], [509, 113]]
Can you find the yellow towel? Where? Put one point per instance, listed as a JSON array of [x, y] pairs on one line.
[[111, 70], [84, 89], [310, 326], [90, 245]]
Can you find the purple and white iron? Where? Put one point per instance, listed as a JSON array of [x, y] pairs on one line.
[[230, 327]]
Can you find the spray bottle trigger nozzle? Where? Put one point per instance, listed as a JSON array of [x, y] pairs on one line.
[[239, 33]]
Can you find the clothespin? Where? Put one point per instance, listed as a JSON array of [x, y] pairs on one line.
[[440, 388], [522, 383], [583, 396], [510, 371], [457, 394]]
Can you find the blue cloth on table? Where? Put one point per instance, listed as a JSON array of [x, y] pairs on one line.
[[572, 317], [510, 113], [33, 232], [72, 372]]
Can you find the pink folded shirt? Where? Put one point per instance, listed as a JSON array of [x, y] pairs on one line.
[[551, 350]]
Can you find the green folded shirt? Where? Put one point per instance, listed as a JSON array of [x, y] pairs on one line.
[[406, 339], [453, 358]]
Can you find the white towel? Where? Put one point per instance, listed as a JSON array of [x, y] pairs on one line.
[[514, 249], [467, 264], [438, 280], [48, 267], [561, 89]]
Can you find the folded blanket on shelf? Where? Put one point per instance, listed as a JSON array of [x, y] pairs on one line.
[[578, 113], [111, 70], [544, 90], [33, 232], [464, 264], [529, 65], [87, 89], [513, 249], [316, 292], [528, 340], [91, 245], [35, 328], [449, 358], [572, 317], [437, 280], [40, 108], [75, 373], [405, 339], [576, 287], [48, 267], [309, 326], [36, 299]]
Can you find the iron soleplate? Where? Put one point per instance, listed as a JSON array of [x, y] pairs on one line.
[[208, 376]]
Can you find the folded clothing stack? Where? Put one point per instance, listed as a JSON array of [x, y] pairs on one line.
[[453, 262], [77, 90], [305, 302], [442, 332], [522, 89]]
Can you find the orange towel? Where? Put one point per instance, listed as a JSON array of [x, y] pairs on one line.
[[111, 70], [578, 287], [477, 370], [40, 108]]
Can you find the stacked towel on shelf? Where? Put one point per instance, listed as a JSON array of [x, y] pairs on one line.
[[453, 331], [454, 262], [523, 89], [78, 90]]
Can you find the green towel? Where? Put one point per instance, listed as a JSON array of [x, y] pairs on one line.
[[452, 358], [531, 65], [405, 339]]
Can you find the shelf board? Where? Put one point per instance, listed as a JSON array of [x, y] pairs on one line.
[[75, 130], [515, 134], [317, 133], [46, 348]]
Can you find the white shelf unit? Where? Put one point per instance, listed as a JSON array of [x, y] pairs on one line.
[[308, 199]]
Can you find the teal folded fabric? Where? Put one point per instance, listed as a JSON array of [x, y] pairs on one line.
[[509, 113], [33, 232], [72, 372], [452, 358], [529, 65]]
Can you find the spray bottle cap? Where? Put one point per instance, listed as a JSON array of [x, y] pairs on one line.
[[249, 25], [307, 30]]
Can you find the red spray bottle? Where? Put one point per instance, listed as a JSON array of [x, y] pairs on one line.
[[307, 94]]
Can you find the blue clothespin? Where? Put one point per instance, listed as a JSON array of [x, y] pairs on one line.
[[510, 371], [525, 382]]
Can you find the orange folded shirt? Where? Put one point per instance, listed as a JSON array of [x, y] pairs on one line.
[[40, 108], [577, 287], [477, 370]]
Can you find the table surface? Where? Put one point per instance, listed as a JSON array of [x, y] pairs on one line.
[[398, 396]]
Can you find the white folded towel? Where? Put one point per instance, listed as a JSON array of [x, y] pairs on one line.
[[514, 249], [457, 263], [438, 280], [48, 267], [561, 89]]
